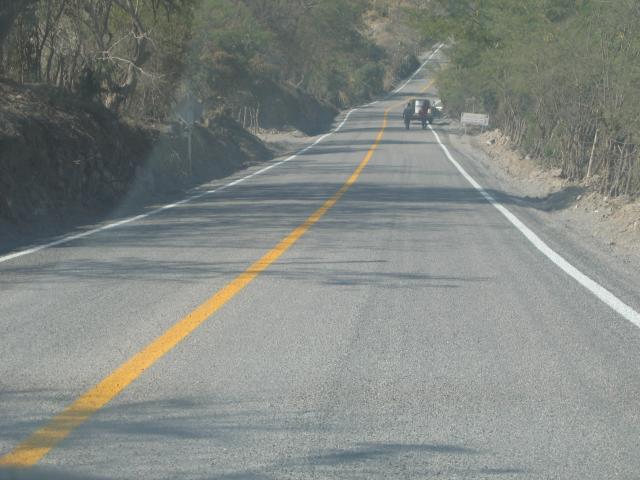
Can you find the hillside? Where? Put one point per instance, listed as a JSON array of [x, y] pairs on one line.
[[60, 156], [93, 95]]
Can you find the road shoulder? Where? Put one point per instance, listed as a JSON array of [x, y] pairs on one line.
[[552, 207]]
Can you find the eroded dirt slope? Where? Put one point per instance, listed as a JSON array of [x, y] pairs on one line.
[[60, 156]]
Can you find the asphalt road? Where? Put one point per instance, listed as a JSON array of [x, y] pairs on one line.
[[412, 332]]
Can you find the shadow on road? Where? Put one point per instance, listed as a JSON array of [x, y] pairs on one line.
[[189, 234], [219, 432], [199, 228]]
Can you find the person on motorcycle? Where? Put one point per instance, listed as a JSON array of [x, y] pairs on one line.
[[407, 115]]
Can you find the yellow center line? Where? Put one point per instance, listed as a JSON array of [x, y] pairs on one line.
[[43, 440]]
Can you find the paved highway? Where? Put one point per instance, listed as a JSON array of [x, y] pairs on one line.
[[359, 311]]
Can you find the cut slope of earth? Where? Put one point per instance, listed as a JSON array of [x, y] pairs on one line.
[[60, 156]]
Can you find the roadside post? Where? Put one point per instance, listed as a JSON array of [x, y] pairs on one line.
[[188, 112]]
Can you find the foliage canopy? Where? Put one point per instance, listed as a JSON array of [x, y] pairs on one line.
[[552, 73]]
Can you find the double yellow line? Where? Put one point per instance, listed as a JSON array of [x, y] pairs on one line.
[[43, 440]]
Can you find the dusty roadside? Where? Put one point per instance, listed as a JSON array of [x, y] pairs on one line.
[[576, 209], [286, 142]]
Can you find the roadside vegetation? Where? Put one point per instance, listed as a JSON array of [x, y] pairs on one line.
[[94, 92], [141, 57], [559, 77]]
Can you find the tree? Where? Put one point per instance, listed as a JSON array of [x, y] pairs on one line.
[[558, 76]]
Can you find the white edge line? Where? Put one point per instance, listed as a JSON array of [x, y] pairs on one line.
[[594, 287], [77, 236]]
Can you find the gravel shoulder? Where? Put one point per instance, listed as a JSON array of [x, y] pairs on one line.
[[610, 225]]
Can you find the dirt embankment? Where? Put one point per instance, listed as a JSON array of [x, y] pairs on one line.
[[614, 222], [60, 156], [283, 106]]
